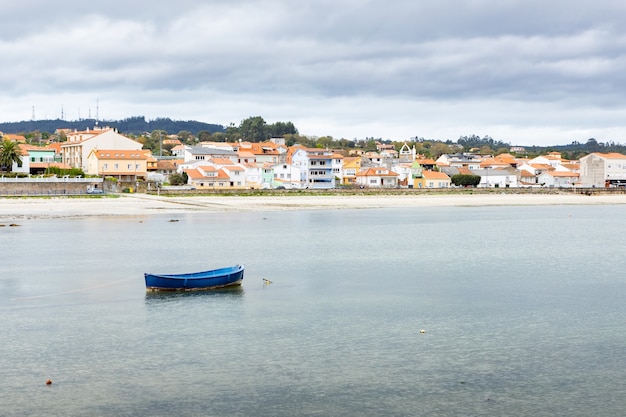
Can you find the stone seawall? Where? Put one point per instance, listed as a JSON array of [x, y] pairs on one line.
[[24, 187]]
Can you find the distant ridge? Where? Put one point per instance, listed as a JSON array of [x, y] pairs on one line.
[[135, 125]]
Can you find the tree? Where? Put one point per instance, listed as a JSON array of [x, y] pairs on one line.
[[177, 179], [184, 135], [464, 180], [9, 154], [204, 136], [279, 129], [254, 129]]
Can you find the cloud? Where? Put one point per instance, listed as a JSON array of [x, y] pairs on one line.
[[527, 70]]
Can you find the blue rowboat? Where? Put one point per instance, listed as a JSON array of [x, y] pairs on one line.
[[195, 281]]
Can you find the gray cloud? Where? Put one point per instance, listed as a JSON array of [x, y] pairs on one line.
[[358, 68]]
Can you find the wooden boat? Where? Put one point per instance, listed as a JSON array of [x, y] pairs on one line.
[[195, 281]]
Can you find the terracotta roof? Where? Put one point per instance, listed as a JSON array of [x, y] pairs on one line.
[[376, 172], [611, 155], [435, 175], [563, 174], [221, 161], [118, 154]]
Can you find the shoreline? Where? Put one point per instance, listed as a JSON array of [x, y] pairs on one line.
[[144, 204]]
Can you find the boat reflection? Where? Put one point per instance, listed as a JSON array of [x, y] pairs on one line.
[[168, 296]]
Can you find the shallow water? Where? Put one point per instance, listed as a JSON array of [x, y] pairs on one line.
[[522, 307]]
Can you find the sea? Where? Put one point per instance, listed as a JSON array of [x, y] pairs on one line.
[[451, 311]]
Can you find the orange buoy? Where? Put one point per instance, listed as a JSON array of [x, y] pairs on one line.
[[48, 382]]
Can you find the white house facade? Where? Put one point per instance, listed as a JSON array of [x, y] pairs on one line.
[[603, 169]]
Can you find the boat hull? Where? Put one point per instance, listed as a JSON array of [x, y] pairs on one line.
[[195, 281]]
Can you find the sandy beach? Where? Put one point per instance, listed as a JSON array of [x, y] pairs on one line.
[[143, 204]]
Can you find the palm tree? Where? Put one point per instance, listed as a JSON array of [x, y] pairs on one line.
[[9, 153]]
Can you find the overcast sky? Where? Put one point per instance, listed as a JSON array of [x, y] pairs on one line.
[[527, 72]]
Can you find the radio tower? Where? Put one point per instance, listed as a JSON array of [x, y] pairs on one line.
[[33, 116]]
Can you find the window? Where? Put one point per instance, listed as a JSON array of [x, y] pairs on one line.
[[117, 166]]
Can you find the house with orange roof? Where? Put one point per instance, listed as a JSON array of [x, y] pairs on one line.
[[207, 176], [124, 165], [14, 138], [165, 168], [374, 158], [80, 144], [263, 152], [603, 170], [432, 179], [494, 163], [528, 178], [536, 169], [573, 166], [178, 151], [552, 159], [377, 177], [351, 166], [245, 157], [151, 161], [558, 179], [240, 175]]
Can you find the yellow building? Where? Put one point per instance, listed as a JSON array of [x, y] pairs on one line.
[[351, 166], [432, 179], [125, 165]]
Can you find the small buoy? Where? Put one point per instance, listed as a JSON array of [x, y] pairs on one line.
[[48, 382], [266, 281], [422, 331]]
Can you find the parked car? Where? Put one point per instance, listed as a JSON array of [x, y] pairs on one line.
[[94, 190]]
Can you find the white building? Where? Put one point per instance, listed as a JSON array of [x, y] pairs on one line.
[[378, 177], [558, 179], [319, 168], [79, 145], [498, 178], [288, 176], [602, 169]]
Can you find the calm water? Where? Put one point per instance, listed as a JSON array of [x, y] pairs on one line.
[[523, 307]]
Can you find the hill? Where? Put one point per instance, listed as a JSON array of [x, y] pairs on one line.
[[135, 125]]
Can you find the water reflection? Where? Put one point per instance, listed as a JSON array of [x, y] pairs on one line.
[[173, 296]]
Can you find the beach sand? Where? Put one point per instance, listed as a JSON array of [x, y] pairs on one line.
[[143, 204]]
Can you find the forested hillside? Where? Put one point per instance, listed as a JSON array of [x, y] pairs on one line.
[[135, 125]]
